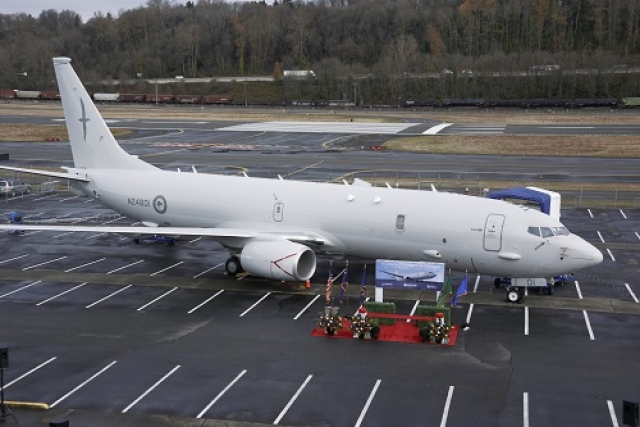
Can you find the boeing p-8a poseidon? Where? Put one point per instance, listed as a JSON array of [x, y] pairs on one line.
[[273, 228]]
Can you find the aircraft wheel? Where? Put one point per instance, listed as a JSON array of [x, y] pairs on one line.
[[497, 282], [136, 241], [171, 242], [233, 266], [513, 295]]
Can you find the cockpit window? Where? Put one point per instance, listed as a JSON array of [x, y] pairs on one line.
[[561, 231], [535, 231], [546, 232]]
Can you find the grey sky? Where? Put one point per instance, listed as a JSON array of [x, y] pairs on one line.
[[85, 8]]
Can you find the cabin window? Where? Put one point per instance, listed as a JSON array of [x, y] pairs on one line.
[[535, 231], [400, 222]]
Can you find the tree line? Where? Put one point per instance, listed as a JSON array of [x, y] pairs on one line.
[[377, 51]]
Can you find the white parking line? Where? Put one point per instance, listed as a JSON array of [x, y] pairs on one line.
[[167, 375], [84, 265], [42, 365], [94, 376], [19, 289], [600, 236], [586, 320], [45, 197], [623, 215], [205, 301], [112, 220], [194, 240], [475, 287], [256, 303], [224, 390], [293, 399], [157, 299], [447, 406], [208, 270], [590, 213], [43, 263], [413, 309], [526, 320], [13, 259], [368, 403], [95, 235], [126, 266], [578, 289], [631, 292], [611, 255], [68, 198], [165, 269], [297, 316], [108, 296], [612, 413], [637, 235], [469, 313], [60, 294], [63, 234], [29, 233], [525, 409]]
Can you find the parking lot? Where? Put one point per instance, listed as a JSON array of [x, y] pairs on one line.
[[97, 323]]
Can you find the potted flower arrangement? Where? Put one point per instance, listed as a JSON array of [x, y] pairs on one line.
[[330, 322], [361, 327]]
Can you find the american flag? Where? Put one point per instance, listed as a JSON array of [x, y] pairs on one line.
[[327, 291]]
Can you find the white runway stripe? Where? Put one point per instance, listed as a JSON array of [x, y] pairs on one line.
[[321, 127]]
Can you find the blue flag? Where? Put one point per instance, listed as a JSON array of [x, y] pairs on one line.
[[363, 285], [462, 290]]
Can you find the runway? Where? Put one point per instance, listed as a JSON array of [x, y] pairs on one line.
[[103, 329]]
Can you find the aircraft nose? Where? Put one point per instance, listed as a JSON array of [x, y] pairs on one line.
[[584, 254]]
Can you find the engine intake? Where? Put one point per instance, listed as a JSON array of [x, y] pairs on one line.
[[281, 260]]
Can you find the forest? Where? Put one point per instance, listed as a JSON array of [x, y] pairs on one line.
[[368, 51]]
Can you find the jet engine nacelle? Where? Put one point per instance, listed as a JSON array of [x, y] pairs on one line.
[[281, 260]]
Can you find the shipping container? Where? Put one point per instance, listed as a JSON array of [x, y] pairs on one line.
[[50, 95], [188, 99], [7, 93], [28, 94], [106, 97], [163, 99], [217, 99], [132, 97]]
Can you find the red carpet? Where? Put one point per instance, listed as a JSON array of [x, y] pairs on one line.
[[400, 332]]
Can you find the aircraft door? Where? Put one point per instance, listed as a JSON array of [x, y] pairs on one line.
[[278, 211], [493, 232]]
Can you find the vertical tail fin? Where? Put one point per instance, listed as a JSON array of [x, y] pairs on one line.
[[92, 144]]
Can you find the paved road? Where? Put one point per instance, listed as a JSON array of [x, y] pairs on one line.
[[98, 326]]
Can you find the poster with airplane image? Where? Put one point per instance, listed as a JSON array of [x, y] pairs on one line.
[[409, 274]]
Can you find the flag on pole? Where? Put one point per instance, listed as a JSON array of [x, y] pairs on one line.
[[363, 284], [327, 290], [462, 290], [344, 284], [446, 290]]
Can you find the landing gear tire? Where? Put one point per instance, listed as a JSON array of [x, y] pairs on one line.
[[233, 266], [497, 282], [136, 241], [514, 295]]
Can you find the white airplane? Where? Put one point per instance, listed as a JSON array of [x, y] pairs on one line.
[[273, 228]]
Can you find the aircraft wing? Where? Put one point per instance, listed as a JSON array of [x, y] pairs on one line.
[[63, 175], [215, 233]]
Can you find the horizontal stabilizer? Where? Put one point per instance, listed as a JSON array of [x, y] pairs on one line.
[[73, 174]]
